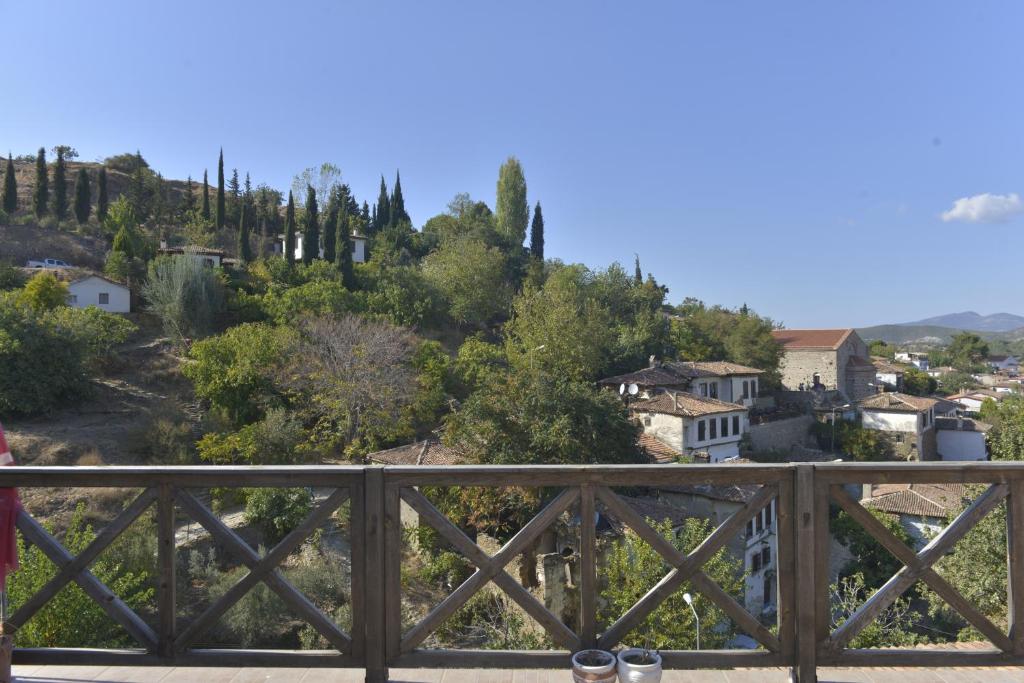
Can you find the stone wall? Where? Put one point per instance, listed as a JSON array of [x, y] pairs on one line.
[[798, 367], [781, 434]]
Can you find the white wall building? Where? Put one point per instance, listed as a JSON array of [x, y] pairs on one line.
[[693, 425], [918, 360], [211, 258], [730, 382], [961, 438], [94, 290], [971, 401], [909, 422], [358, 247]]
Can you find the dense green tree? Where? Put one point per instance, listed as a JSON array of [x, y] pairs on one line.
[[189, 200], [638, 275], [139, 194], [44, 292], [967, 351], [382, 210], [10, 198], [398, 213], [41, 193], [102, 200], [289, 230], [244, 248], [60, 185], [186, 295], [1006, 439], [471, 277], [877, 347], [918, 383], [343, 249], [221, 207], [511, 210], [310, 228], [83, 198], [331, 229], [537, 234], [205, 212]]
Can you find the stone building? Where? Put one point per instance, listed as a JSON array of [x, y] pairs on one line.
[[907, 422], [722, 380], [826, 359], [693, 425]]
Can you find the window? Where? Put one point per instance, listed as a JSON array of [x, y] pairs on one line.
[[208, 262], [725, 426], [714, 390], [647, 421], [104, 298], [714, 428], [766, 557], [755, 562], [771, 514], [735, 424], [750, 528], [899, 438], [753, 388], [767, 591], [760, 522], [746, 389], [816, 379], [74, 298], [701, 435], [703, 388]]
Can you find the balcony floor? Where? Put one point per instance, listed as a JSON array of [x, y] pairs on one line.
[[157, 674]]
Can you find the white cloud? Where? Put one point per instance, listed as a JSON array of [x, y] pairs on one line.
[[985, 208]]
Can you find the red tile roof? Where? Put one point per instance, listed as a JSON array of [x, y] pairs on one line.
[[893, 401], [811, 339], [658, 451], [428, 452], [684, 405], [923, 500]]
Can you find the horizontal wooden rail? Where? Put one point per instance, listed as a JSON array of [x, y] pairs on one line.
[[801, 638]]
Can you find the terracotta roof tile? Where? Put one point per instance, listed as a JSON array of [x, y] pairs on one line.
[[897, 402], [428, 452], [658, 451], [684, 405], [812, 339], [924, 500]]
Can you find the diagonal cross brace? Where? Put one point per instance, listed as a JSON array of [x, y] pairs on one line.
[[271, 576], [472, 552], [114, 606], [687, 567], [81, 561], [923, 562], [489, 570]]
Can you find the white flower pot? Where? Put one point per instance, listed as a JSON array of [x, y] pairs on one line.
[[639, 673], [591, 673]]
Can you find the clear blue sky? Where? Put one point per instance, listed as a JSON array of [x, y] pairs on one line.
[[796, 156]]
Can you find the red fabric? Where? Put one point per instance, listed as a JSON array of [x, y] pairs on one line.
[[10, 506]]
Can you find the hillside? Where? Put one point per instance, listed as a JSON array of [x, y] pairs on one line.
[[969, 320], [930, 335]]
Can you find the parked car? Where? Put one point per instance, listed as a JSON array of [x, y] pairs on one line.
[[48, 263]]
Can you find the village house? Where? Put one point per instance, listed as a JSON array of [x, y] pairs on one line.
[[826, 359], [940, 371], [211, 258], [693, 425], [358, 247], [922, 509], [888, 375], [730, 382], [1008, 364], [972, 400], [961, 438], [907, 422], [96, 290], [918, 360]]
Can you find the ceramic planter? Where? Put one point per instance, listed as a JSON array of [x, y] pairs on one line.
[[639, 673], [593, 666]]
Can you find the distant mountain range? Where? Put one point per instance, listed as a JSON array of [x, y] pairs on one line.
[[942, 328]]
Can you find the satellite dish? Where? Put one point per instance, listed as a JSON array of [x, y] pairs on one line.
[[622, 389], [633, 390]]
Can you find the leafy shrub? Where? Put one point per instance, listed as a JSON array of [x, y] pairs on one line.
[[96, 330], [275, 440], [317, 297], [10, 277], [44, 292], [185, 294], [277, 511]]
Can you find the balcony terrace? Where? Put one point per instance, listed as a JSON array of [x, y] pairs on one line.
[[378, 643]]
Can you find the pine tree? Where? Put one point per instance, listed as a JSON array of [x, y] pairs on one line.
[[190, 197], [244, 250], [41, 194], [102, 201], [10, 201], [60, 186], [206, 197], [344, 250], [331, 228], [289, 230], [512, 213], [83, 203], [638, 275], [366, 215], [398, 214], [383, 216], [220, 190], [537, 234], [311, 228]]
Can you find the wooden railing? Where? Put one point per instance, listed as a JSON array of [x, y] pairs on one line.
[[801, 637]]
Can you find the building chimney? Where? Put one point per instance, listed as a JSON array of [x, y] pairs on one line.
[[652, 361], [675, 400], [163, 243]]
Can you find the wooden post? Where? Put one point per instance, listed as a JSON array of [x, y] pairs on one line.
[[588, 570], [374, 580], [785, 506], [166, 562], [805, 567], [1015, 564]]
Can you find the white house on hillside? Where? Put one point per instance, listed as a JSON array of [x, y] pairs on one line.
[[358, 247], [918, 360], [211, 258], [730, 382], [1010, 364], [908, 422], [972, 400], [961, 438], [95, 290], [693, 425]]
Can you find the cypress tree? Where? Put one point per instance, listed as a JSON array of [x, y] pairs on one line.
[[398, 213], [190, 198], [537, 234], [206, 197], [102, 201], [383, 218], [311, 228], [512, 213], [137, 195], [60, 186], [220, 190], [638, 275], [244, 250], [366, 214], [344, 250], [83, 203], [331, 229], [10, 201], [289, 230], [41, 194]]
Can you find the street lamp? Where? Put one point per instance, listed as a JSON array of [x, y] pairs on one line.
[[834, 409], [688, 599]]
